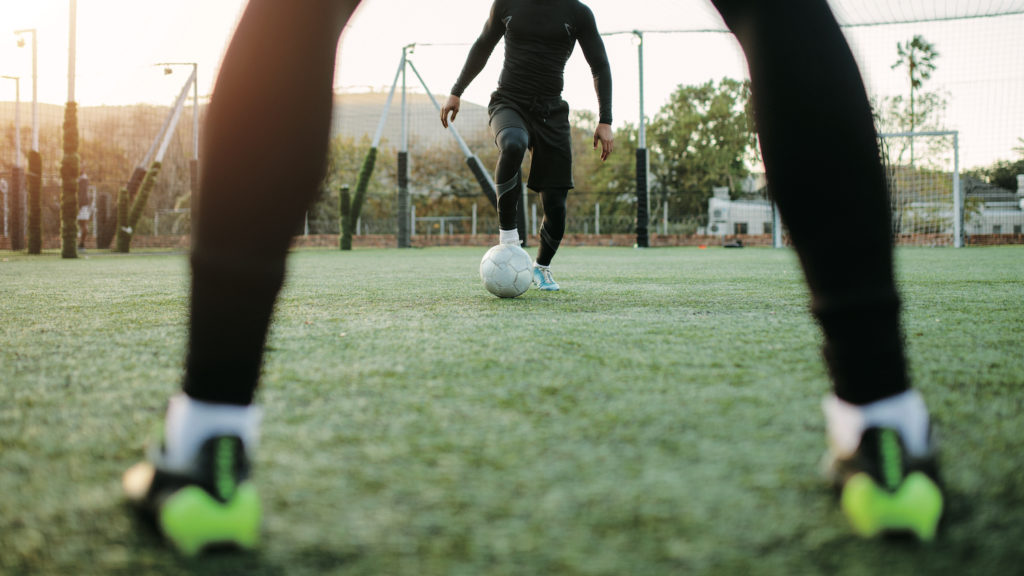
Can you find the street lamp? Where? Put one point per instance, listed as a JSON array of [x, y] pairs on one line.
[[35, 84]]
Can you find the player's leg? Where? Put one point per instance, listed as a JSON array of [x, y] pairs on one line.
[[552, 230], [513, 140], [806, 88], [266, 139]]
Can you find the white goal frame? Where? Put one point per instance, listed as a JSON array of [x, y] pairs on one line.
[[957, 215]]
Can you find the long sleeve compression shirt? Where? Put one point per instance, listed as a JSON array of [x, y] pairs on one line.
[[539, 38]]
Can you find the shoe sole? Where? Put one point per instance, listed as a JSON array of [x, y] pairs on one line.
[[914, 508], [193, 520]]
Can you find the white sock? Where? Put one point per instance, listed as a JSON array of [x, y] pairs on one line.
[[192, 422], [541, 266], [905, 412], [508, 237]]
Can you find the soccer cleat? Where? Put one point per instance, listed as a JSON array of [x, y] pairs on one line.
[[542, 278], [212, 504], [883, 490]]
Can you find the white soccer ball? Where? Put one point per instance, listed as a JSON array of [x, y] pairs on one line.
[[506, 270]]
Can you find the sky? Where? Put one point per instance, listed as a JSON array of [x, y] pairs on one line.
[[120, 41]]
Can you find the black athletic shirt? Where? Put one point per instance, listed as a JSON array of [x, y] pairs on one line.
[[539, 37]]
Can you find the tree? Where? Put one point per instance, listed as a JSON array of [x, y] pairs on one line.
[[703, 137], [918, 56], [1002, 173], [612, 182]]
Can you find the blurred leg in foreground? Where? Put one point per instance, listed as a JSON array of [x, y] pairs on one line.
[[265, 146], [815, 126]]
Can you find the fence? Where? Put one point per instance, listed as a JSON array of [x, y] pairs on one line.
[[976, 90]]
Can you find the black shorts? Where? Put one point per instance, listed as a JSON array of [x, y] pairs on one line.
[[547, 124]]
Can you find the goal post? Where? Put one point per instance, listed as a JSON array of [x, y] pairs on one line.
[[924, 191]]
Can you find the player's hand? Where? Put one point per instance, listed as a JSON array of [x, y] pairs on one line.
[[603, 134], [450, 107]]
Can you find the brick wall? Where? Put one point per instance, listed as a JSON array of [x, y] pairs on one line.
[[422, 241]]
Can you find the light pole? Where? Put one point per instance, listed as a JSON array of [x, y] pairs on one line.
[[72, 46], [35, 84], [194, 164], [195, 100], [643, 197]]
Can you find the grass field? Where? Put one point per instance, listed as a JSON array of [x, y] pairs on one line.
[[660, 415]]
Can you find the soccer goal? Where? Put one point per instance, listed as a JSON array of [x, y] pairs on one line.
[[923, 173]]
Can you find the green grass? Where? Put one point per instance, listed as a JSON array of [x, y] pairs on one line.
[[660, 415]]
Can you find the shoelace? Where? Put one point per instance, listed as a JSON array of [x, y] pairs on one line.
[[546, 273]]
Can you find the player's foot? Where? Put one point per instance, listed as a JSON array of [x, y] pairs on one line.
[[888, 484], [212, 503], [543, 279]]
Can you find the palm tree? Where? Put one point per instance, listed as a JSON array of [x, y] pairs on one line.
[[918, 55]]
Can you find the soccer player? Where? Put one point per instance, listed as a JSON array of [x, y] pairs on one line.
[[278, 71], [806, 88], [84, 209], [527, 111]]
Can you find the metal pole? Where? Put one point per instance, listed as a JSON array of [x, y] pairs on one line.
[[597, 218], [406, 223], [405, 112], [195, 103], [387, 105], [642, 160], [776, 226], [195, 111], [72, 18], [958, 205]]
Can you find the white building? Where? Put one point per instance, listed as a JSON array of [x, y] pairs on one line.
[[735, 217]]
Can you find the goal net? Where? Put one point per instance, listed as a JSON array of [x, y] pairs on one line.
[[923, 173]]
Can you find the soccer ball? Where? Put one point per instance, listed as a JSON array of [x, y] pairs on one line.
[[506, 270]]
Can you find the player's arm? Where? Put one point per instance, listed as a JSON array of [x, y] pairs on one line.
[[593, 50], [479, 53]]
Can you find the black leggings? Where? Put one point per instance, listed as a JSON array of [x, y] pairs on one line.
[[806, 89], [821, 155], [512, 145], [265, 146], [553, 227]]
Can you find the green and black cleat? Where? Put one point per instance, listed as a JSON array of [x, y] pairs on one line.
[[884, 491], [212, 505]]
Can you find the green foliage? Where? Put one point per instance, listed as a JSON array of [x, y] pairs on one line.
[[612, 183], [1002, 173], [35, 202], [344, 206], [124, 232], [144, 190], [106, 226], [70, 166], [345, 160], [703, 137], [918, 56], [350, 206]]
